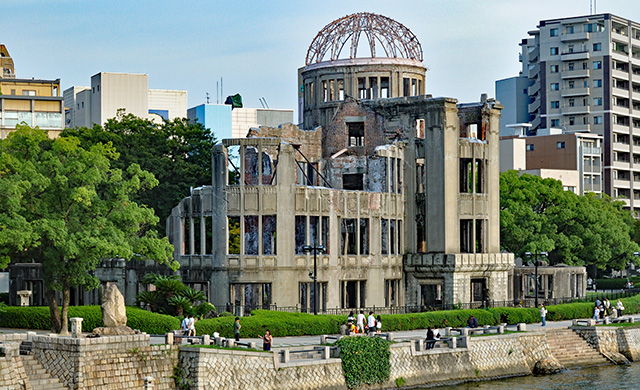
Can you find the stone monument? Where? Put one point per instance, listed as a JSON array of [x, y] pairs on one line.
[[114, 314]]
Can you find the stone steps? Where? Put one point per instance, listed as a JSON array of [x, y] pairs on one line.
[[571, 350], [39, 378]]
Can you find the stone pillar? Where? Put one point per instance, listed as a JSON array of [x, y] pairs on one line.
[[206, 339], [168, 338], [76, 327]]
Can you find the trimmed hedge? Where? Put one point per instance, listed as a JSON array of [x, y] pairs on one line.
[[284, 324], [38, 317], [365, 360], [616, 284]]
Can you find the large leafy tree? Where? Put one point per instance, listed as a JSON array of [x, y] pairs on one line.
[[67, 207], [177, 152], [537, 215]]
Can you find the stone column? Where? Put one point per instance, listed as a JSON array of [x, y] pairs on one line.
[[76, 327]]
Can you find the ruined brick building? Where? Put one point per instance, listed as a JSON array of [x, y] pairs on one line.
[[400, 188]]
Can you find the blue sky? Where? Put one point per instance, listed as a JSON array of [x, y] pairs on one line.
[[257, 47]]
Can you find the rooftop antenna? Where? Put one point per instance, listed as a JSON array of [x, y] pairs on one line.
[[221, 93], [207, 97], [217, 92], [264, 103]]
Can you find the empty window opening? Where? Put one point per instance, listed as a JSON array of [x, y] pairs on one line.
[[197, 247], [349, 237], [340, 89], [391, 292], [362, 89], [392, 176], [325, 234], [384, 87], [353, 181], [356, 133], [208, 229], [406, 86], [373, 87], [466, 178], [251, 173], [478, 290], [307, 297], [364, 236], [480, 248], [314, 223], [392, 235], [332, 91], [267, 169], [186, 237], [325, 92], [431, 293], [233, 226], [269, 234], [353, 294], [384, 236], [414, 87], [301, 233], [251, 235], [479, 167], [466, 236], [420, 128]]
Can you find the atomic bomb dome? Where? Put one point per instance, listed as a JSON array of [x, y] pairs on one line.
[[384, 60], [395, 39]]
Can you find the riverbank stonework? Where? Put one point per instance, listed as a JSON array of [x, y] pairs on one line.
[[12, 374], [109, 363], [610, 339]]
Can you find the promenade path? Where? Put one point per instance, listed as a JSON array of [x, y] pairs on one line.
[[279, 342], [289, 341]]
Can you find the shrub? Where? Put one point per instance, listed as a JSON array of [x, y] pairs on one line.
[[203, 309], [38, 317], [616, 284], [365, 360]]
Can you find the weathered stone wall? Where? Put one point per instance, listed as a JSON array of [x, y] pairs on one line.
[[204, 368], [12, 374], [629, 343], [603, 340], [112, 363]]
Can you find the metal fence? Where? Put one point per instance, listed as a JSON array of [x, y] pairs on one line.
[[528, 302]]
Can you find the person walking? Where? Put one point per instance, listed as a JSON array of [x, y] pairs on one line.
[[236, 328], [607, 307], [192, 326], [596, 313], [378, 325], [543, 314], [267, 339], [360, 322], [620, 308], [371, 324], [351, 317], [185, 326]]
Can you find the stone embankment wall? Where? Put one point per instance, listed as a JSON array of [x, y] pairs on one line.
[[621, 340], [12, 374]]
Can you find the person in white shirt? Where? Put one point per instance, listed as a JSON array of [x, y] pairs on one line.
[[543, 314], [192, 326], [371, 323], [360, 322]]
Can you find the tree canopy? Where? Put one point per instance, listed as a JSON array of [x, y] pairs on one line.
[[66, 207], [537, 215], [177, 152]]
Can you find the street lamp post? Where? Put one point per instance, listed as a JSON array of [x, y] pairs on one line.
[[536, 263], [314, 276]]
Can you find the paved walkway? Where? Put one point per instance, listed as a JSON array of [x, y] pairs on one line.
[[315, 340]]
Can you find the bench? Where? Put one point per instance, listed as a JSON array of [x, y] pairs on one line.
[[308, 353], [449, 331]]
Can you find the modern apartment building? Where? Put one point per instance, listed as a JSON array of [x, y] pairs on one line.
[[110, 92], [31, 101], [584, 76], [228, 123]]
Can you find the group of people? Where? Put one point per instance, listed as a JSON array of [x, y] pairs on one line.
[[188, 325], [605, 309], [355, 325]]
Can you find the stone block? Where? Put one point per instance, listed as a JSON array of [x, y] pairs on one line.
[[252, 345], [206, 339], [631, 319], [76, 326], [501, 329], [390, 337], [230, 343], [522, 327], [285, 356], [447, 331], [168, 338]]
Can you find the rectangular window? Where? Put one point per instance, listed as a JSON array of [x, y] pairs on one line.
[[479, 236], [572, 120], [406, 86], [268, 234], [530, 147], [364, 236], [353, 181], [251, 236], [597, 101], [414, 87], [314, 222], [301, 233], [597, 47], [362, 90], [597, 83], [26, 92], [555, 104], [553, 51], [560, 145], [325, 234], [479, 166], [466, 235], [571, 66], [349, 243], [392, 175], [553, 32], [384, 87], [572, 102], [554, 68], [373, 88], [392, 235], [384, 236], [332, 91], [356, 133], [340, 89], [465, 175], [597, 120], [554, 86], [571, 84], [325, 91], [597, 64]]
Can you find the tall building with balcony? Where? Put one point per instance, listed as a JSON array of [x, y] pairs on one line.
[[584, 76]]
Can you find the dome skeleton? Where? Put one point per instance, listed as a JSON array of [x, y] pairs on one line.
[[396, 39]]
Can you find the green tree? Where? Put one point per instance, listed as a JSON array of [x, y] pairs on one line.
[[177, 152], [538, 215], [170, 296], [67, 207]]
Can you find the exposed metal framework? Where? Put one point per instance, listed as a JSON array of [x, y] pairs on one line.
[[396, 40]]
